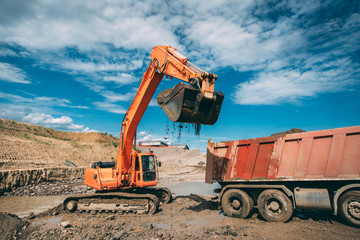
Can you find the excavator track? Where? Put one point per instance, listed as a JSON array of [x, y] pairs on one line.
[[113, 202], [163, 194]]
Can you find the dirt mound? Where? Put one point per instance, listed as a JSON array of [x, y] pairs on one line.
[[175, 158], [291, 131], [179, 165], [24, 145], [11, 226]]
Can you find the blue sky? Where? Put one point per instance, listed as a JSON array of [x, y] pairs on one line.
[[76, 65]]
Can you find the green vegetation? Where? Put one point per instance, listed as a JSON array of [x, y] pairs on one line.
[[115, 144], [37, 140], [27, 127], [40, 134], [26, 136], [70, 164]]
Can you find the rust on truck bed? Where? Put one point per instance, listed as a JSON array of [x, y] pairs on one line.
[[332, 154]]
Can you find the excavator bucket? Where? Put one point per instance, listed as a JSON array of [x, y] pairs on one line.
[[184, 103]]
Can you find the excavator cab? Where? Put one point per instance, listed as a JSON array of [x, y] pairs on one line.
[[145, 169], [186, 104]]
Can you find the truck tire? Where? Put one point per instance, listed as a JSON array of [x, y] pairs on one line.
[[275, 206], [237, 203], [349, 207]]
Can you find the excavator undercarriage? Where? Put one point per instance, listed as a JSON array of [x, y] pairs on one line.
[[119, 202], [134, 200]]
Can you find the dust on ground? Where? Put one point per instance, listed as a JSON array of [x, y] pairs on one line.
[[187, 217]]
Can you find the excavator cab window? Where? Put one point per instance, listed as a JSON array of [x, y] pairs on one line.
[[137, 165], [148, 167]]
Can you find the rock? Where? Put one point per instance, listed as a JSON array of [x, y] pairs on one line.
[[111, 218], [32, 215], [120, 234], [65, 224]]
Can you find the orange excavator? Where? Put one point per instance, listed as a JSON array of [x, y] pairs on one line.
[[127, 185]]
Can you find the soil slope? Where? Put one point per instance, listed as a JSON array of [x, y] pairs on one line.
[[24, 145], [28, 146]]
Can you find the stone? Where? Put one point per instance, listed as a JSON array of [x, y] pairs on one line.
[[65, 224]]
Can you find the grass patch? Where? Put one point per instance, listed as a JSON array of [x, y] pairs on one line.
[[70, 164], [26, 136]]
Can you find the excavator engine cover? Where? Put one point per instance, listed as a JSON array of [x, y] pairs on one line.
[[184, 103]]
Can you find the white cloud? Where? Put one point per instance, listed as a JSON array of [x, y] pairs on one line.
[[88, 130], [143, 136], [121, 78], [90, 67], [39, 101], [286, 86], [53, 25], [110, 107], [153, 103], [64, 123], [5, 52], [9, 73], [116, 97]]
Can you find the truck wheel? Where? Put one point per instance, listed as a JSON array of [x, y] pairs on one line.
[[349, 207], [275, 206], [237, 203]]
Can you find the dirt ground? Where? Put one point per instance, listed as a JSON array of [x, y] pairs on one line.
[[188, 217]]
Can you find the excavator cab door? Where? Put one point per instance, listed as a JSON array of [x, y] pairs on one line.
[[186, 104], [146, 174]]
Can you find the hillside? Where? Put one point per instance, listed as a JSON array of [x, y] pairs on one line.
[[27, 146], [24, 145]]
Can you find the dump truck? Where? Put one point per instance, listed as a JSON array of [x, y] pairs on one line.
[[318, 170]]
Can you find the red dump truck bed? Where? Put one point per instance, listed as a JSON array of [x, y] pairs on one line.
[[332, 154]]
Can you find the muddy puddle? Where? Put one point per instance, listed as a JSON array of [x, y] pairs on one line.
[[187, 188], [23, 206]]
